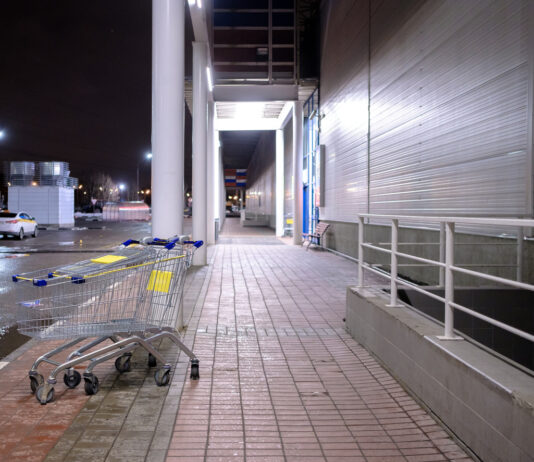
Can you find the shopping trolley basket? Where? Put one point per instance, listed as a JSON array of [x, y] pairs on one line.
[[133, 303], [125, 255]]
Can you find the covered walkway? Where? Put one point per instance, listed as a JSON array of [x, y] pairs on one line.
[[280, 379]]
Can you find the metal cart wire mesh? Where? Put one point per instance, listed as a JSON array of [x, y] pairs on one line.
[[131, 297]]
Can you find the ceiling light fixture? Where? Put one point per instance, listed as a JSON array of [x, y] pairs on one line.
[[249, 111], [210, 81]]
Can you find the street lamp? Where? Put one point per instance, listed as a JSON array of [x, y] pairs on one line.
[[148, 156], [121, 188]]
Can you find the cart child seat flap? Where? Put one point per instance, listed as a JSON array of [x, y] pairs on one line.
[[159, 281], [106, 259]]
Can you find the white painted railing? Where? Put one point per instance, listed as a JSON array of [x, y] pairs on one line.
[[446, 265]]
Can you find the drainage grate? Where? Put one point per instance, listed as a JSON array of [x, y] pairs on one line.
[[245, 331], [249, 241]]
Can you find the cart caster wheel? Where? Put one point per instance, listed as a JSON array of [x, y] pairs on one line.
[[72, 378], [194, 369], [43, 390], [36, 381], [91, 384], [152, 361], [122, 364], [162, 377]]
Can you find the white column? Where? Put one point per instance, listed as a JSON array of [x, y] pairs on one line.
[[199, 177], [279, 181], [167, 117], [216, 174], [211, 175], [297, 172], [222, 189]]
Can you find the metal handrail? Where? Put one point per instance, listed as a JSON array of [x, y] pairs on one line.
[[446, 264]]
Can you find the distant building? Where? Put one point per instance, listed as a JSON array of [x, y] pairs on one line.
[[45, 190]]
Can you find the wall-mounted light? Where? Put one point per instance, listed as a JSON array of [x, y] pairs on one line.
[[210, 81]]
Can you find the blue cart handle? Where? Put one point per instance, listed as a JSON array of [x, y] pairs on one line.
[[197, 244], [130, 242]]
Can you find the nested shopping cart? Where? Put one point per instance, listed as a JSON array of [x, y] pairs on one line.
[[131, 297]]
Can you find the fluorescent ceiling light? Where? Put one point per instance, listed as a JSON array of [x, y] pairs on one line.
[[249, 111], [191, 2], [199, 3], [210, 82]]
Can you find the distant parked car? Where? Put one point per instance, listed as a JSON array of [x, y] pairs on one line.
[[18, 224]]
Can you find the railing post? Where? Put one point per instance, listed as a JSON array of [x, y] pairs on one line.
[[449, 281], [520, 241], [441, 253], [394, 262], [360, 251]]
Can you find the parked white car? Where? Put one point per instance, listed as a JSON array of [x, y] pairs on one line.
[[18, 224]]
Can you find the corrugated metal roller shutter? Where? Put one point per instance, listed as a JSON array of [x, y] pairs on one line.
[[448, 111], [449, 132], [261, 178], [344, 103]]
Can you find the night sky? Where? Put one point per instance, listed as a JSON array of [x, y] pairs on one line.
[[75, 84]]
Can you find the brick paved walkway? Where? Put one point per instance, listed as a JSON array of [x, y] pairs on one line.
[[281, 380]]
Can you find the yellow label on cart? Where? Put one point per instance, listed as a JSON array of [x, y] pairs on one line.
[[159, 281], [289, 221], [106, 259]]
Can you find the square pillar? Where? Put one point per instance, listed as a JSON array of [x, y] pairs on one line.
[[297, 172], [199, 174], [279, 182], [211, 174]]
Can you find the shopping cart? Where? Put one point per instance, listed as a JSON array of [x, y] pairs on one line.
[[131, 297]]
